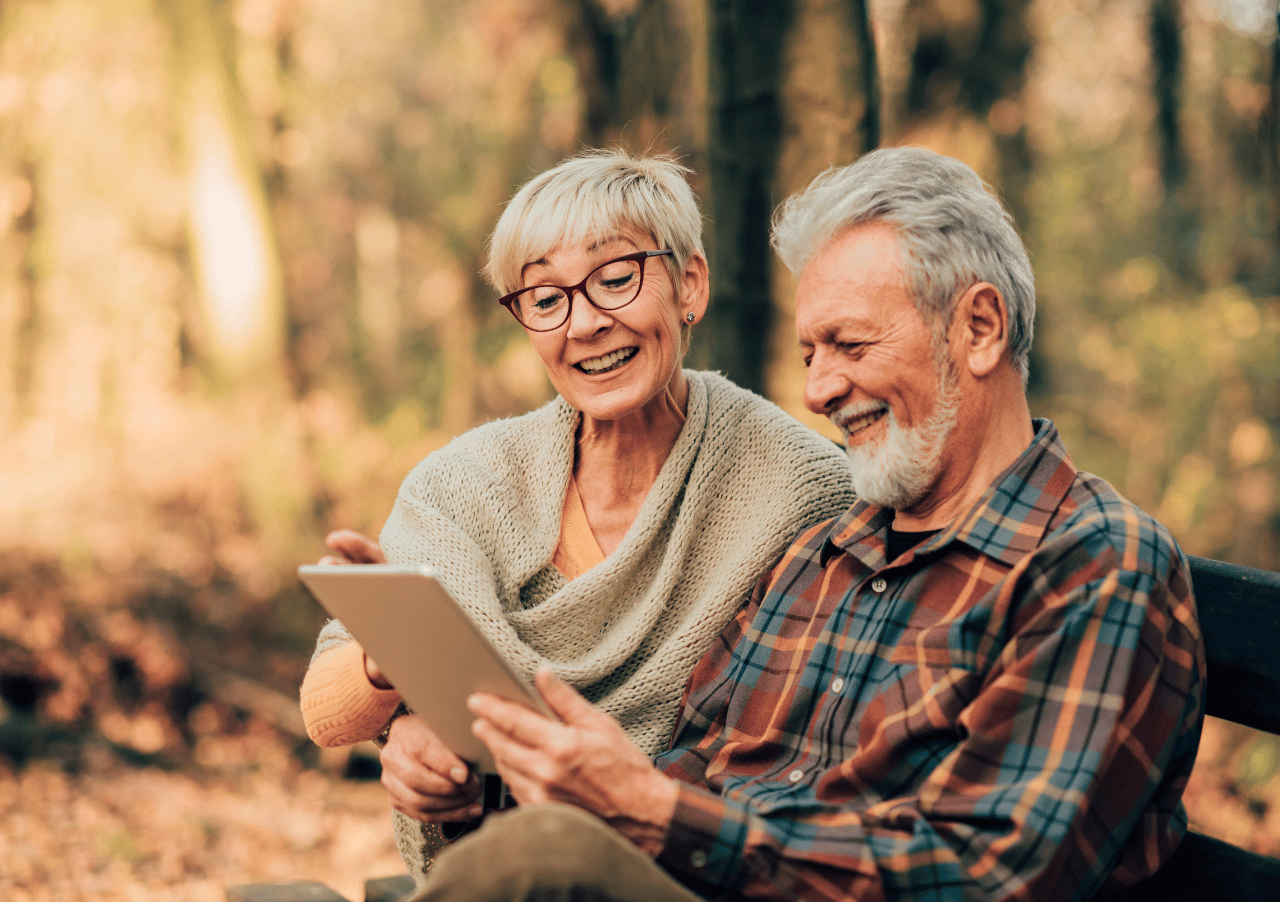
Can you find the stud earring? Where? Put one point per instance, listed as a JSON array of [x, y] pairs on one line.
[[690, 317]]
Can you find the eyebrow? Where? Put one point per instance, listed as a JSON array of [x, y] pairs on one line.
[[595, 245]]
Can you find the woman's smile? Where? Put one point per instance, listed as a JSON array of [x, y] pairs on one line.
[[607, 363]]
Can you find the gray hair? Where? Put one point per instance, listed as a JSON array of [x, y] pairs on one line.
[[590, 197], [952, 232]]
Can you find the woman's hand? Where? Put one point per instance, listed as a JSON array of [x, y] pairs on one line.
[[424, 779], [375, 675], [350, 547]]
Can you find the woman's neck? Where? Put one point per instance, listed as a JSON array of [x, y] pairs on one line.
[[617, 461]]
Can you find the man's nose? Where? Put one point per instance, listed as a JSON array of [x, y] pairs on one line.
[[825, 385]]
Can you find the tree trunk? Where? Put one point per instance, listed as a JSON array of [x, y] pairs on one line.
[[868, 76], [1181, 229], [232, 240], [634, 71], [1269, 129], [17, 303], [745, 43]]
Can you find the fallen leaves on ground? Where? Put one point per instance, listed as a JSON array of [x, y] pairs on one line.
[[106, 831]]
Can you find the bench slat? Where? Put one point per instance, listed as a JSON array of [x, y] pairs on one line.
[[1240, 616], [301, 891], [1205, 869]]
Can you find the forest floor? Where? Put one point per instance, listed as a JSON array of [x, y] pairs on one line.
[[247, 811], [108, 831]]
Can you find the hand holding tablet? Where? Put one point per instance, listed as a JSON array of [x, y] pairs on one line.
[[424, 643]]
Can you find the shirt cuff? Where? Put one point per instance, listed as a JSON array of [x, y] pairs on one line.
[[705, 840]]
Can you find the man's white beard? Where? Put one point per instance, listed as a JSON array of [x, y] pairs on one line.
[[898, 471]]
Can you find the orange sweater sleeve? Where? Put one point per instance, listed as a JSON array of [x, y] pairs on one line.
[[339, 704]]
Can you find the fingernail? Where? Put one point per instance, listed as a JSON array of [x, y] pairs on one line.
[[474, 812], [458, 775]]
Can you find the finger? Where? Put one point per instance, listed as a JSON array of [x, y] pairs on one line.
[[429, 790], [376, 677], [517, 721], [427, 796], [427, 806], [502, 745], [331, 560], [562, 698], [360, 548], [411, 739], [521, 787], [353, 546], [517, 764]]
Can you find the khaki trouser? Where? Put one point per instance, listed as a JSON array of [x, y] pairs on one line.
[[548, 853]]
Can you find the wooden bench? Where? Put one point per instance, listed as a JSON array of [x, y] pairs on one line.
[[1240, 616]]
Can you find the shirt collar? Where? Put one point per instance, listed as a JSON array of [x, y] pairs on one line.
[[1006, 523]]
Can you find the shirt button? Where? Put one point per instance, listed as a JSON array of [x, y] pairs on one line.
[[698, 858], [837, 684], [796, 775], [878, 584]]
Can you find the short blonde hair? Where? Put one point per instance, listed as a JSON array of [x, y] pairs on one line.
[[591, 197]]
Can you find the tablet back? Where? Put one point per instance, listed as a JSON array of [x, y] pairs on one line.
[[425, 644]]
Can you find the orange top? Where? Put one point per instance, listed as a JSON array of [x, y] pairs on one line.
[[339, 704], [577, 551]]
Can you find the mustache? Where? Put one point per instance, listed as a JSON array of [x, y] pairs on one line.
[[850, 412]]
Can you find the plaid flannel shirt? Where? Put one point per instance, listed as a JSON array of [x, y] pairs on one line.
[[1009, 710]]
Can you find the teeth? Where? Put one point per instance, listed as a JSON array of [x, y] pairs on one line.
[[850, 422], [596, 364]]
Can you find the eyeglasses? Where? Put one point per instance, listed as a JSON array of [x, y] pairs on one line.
[[611, 285]]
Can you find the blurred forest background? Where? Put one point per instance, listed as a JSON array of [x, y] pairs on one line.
[[239, 299]]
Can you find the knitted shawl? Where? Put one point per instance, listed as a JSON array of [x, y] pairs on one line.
[[740, 483]]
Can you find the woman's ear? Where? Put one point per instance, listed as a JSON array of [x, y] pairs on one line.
[[983, 319], [695, 289]]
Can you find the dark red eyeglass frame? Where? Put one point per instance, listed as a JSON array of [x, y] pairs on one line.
[[508, 299]]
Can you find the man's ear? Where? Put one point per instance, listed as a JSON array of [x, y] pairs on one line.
[[695, 288], [983, 321]]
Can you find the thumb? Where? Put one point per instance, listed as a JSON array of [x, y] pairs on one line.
[[562, 698]]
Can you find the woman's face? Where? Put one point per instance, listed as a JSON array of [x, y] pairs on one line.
[[612, 363]]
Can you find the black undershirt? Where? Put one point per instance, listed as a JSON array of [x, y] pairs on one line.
[[901, 542]]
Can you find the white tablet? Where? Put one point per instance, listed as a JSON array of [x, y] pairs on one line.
[[425, 644]]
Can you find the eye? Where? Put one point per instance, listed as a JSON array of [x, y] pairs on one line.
[[615, 277], [619, 281], [545, 297]]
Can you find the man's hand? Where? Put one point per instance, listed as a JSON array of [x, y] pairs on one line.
[[586, 761], [350, 547], [423, 778]]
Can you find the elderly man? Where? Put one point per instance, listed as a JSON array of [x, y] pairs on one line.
[[985, 680]]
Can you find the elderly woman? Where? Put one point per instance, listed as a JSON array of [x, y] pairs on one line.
[[611, 533]]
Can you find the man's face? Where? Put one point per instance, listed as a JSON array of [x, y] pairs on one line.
[[872, 367]]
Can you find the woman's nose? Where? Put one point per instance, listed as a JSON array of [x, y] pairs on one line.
[[585, 318]]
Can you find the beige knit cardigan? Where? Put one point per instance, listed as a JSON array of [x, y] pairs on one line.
[[741, 481]]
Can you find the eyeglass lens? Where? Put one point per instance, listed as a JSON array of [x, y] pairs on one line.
[[612, 285]]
